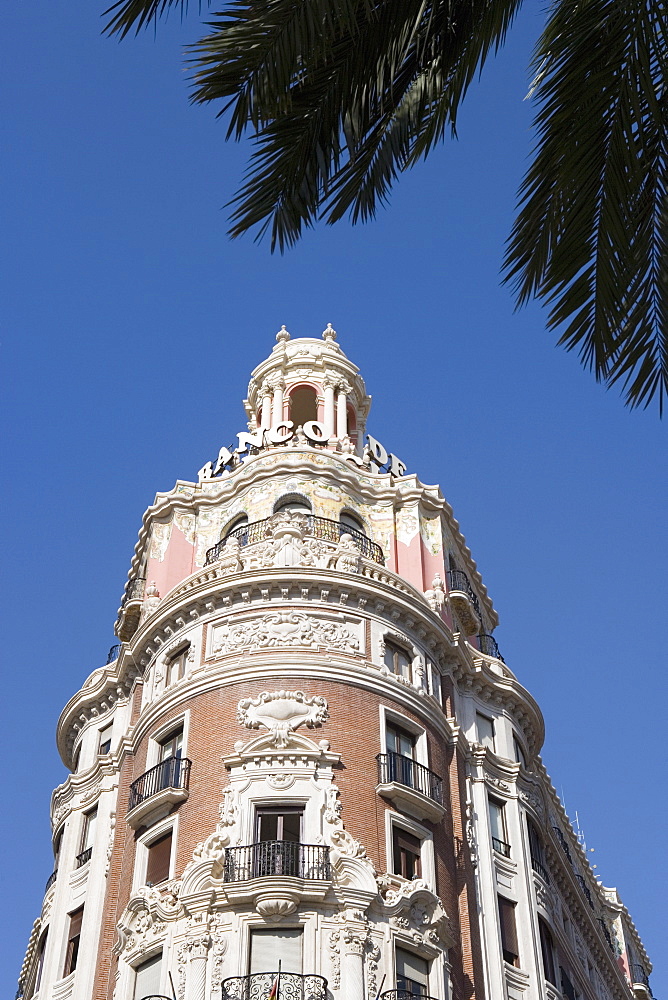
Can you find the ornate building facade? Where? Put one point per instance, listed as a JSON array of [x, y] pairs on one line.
[[306, 752]]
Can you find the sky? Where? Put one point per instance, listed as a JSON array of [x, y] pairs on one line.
[[129, 325]]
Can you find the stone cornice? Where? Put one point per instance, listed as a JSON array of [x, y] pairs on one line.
[[85, 786]]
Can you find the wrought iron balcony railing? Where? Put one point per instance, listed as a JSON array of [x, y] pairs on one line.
[[501, 847], [156, 997], [638, 975], [540, 868], [489, 646], [276, 857], [458, 580], [406, 771], [317, 527], [292, 986], [114, 653], [605, 932], [174, 772], [585, 888], [562, 840], [134, 590], [403, 995], [50, 881], [84, 857]]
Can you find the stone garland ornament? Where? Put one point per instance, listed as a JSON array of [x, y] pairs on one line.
[[285, 629], [281, 712]]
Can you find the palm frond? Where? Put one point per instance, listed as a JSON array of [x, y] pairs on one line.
[[590, 236], [137, 14]]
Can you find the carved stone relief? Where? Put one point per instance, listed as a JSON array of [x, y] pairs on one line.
[[284, 629], [281, 712]]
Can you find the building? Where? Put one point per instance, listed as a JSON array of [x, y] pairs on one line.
[[307, 754]]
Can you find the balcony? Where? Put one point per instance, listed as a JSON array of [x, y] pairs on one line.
[[501, 847], [403, 995], [464, 601], [411, 786], [540, 869], [641, 988], [114, 653], [275, 875], [51, 880], [131, 607], [489, 646], [585, 888], [321, 528], [292, 986], [277, 857], [155, 792], [84, 857]]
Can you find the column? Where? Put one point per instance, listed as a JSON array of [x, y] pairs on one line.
[[353, 940], [329, 407], [342, 413], [277, 414], [196, 974], [265, 413]]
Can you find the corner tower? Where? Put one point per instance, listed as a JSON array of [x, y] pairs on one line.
[[306, 771]]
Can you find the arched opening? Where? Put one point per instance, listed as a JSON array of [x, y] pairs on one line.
[[349, 522], [352, 424], [293, 502], [233, 526], [303, 405]]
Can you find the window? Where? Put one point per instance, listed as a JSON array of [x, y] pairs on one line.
[[497, 824], [279, 823], [406, 854], [298, 504], [159, 859], [520, 755], [349, 522], [567, 988], [303, 405], [87, 838], [57, 845], [485, 730], [147, 978], [412, 973], [104, 740], [75, 759], [536, 849], [547, 951], [434, 681], [40, 961], [400, 741], [176, 666], [269, 947], [238, 522], [397, 660], [73, 938], [509, 947]]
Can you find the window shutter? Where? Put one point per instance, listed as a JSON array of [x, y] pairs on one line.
[[76, 920], [159, 856], [508, 928], [410, 966], [147, 980], [270, 947]]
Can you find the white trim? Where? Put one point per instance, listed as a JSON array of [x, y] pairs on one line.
[[392, 716], [425, 837]]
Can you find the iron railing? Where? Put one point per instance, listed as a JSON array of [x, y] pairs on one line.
[[406, 771], [156, 997], [489, 646], [51, 879], [134, 590], [605, 931], [458, 580], [276, 857], [585, 888], [84, 857], [316, 527], [638, 975], [292, 986], [501, 847], [403, 995], [540, 868], [174, 772], [114, 653], [562, 840]]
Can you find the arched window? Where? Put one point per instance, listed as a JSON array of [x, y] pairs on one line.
[[349, 522], [293, 502], [303, 405], [233, 526]]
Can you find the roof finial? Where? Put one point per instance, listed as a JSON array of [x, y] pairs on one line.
[[282, 336], [329, 334]]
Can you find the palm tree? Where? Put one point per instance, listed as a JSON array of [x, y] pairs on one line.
[[343, 95]]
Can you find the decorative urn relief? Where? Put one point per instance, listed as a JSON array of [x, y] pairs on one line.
[[281, 712]]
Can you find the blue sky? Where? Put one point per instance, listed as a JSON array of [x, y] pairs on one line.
[[130, 324]]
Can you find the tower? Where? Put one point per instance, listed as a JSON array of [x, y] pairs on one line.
[[306, 771]]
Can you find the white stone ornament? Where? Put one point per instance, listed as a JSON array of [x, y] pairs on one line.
[[281, 712], [283, 629]]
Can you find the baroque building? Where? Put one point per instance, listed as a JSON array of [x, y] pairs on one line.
[[306, 752]]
